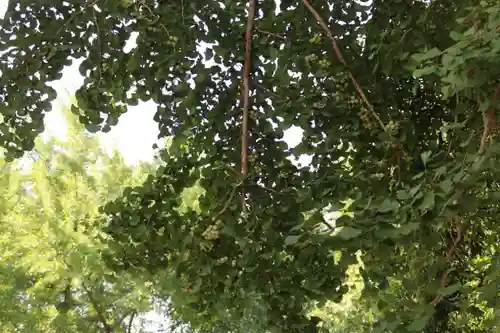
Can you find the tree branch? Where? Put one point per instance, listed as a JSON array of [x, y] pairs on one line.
[[246, 92], [119, 320], [449, 256], [98, 310], [328, 225], [226, 204], [489, 123], [270, 33], [340, 57], [130, 322], [489, 120]]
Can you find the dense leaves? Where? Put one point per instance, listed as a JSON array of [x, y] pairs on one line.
[[52, 274], [422, 184]]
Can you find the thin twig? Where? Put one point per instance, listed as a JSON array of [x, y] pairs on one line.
[[246, 93], [156, 18], [182, 11], [330, 227], [99, 45], [266, 90], [489, 120], [449, 256], [72, 17], [97, 309], [266, 188], [269, 33], [130, 322], [226, 204], [404, 35], [340, 57], [119, 321]]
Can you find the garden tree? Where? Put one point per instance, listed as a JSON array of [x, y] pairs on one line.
[[52, 275], [397, 100]]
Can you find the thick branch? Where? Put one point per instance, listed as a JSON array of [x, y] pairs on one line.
[[246, 91]]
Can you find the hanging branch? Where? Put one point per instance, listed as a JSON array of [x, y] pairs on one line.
[[340, 57], [489, 123], [489, 120], [449, 256], [246, 92]]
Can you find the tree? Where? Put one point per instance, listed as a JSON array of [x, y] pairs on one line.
[[53, 276], [397, 100]]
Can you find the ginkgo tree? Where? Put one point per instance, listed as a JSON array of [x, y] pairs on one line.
[[397, 100], [53, 277]]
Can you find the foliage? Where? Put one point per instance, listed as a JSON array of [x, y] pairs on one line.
[[52, 275], [391, 96]]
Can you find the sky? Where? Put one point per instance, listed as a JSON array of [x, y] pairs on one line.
[[134, 135]]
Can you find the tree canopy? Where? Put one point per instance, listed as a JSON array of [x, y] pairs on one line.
[[397, 100], [52, 275]]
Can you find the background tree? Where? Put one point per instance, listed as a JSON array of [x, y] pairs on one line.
[[53, 276]]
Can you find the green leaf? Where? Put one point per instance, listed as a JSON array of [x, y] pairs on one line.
[[291, 240], [388, 205], [402, 195], [450, 289], [432, 53], [424, 71], [428, 202], [446, 185], [456, 36], [425, 156], [418, 324], [347, 233], [407, 229], [273, 52]]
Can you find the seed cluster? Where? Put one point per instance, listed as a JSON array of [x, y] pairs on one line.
[[172, 40], [393, 127], [212, 231], [366, 120], [316, 39]]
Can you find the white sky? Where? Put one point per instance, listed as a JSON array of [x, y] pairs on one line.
[[134, 135]]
